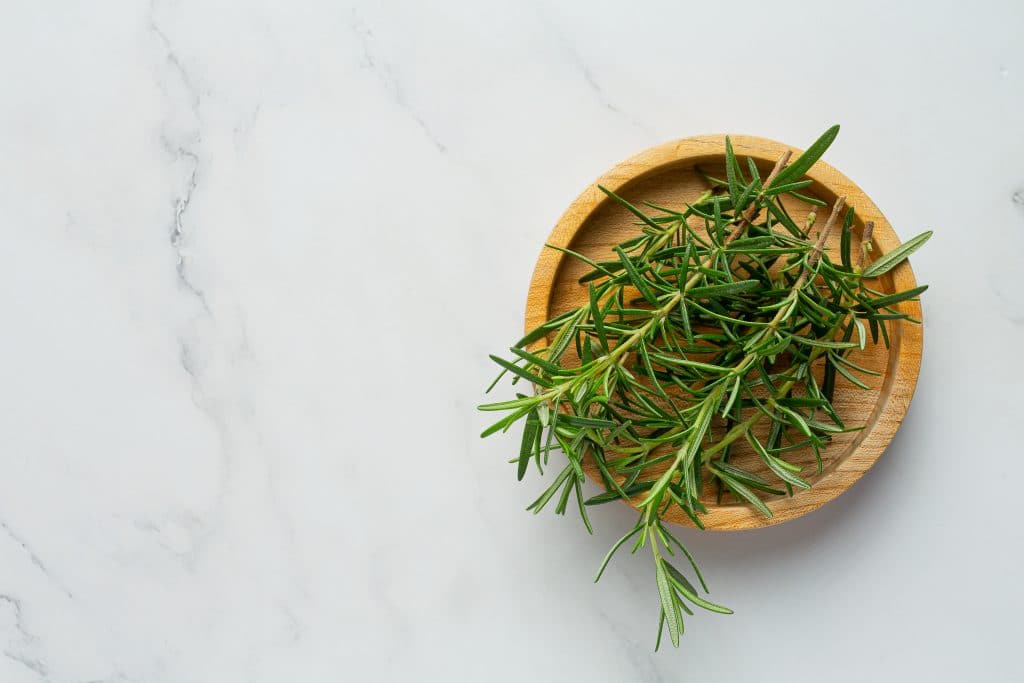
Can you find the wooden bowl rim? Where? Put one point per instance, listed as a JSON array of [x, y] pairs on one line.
[[900, 381]]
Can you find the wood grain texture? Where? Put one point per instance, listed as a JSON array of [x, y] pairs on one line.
[[665, 175]]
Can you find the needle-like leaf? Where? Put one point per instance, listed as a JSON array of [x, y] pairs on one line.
[[803, 163], [897, 256]]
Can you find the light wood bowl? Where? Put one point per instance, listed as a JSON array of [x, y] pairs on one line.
[[665, 175]]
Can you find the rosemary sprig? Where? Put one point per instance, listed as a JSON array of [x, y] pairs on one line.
[[717, 311]]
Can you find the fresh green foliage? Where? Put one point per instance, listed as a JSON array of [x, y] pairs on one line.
[[704, 325], [896, 256]]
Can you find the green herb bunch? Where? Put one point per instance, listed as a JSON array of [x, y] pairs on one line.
[[708, 323]]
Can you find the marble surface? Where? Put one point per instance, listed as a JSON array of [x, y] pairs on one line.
[[256, 254]]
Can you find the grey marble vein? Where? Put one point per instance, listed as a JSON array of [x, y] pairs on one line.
[[389, 78], [575, 59], [36, 561], [34, 664]]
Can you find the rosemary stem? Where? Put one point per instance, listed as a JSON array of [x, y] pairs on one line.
[[743, 427], [658, 314], [743, 366], [784, 312]]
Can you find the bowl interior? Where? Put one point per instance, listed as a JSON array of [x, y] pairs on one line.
[[671, 183]]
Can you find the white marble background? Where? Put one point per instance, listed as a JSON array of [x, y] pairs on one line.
[[256, 254]]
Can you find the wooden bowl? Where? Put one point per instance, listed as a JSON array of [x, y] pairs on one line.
[[665, 175]]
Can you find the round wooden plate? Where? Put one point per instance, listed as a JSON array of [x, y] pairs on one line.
[[665, 175]]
